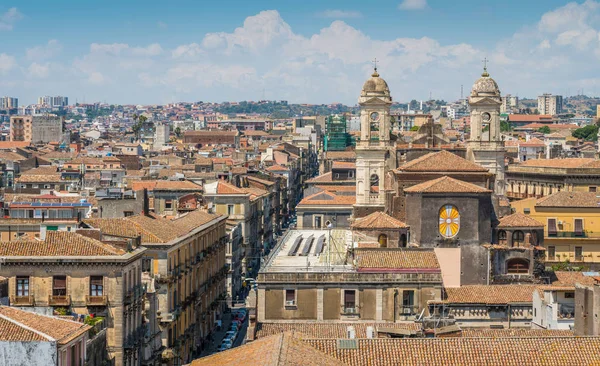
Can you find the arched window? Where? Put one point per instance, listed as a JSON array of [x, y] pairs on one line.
[[382, 240], [518, 238], [374, 183], [517, 266], [502, 237], [449, 221]]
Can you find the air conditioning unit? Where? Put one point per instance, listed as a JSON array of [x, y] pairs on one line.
[[406, 311], [168, 317], [560, 222], [290, 303]]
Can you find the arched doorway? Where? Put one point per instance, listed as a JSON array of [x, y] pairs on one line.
[[403, 240], [517, 266], [382, 240]]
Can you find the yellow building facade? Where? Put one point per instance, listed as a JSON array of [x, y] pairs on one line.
[[571, 225]]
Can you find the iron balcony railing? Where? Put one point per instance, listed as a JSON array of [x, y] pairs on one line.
[[59, 300], [100, 300], [22, 300]]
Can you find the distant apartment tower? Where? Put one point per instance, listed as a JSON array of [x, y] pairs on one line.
[[550, 104], [161, 135], [36, 128], [53, 101], [509, 103], [9, 103]]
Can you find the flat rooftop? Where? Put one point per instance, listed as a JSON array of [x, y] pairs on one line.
[[311, 251]]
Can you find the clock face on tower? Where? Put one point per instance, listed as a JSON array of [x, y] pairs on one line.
[[374, 116]]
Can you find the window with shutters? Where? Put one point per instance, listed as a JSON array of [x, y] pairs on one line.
[[22, 286], [349, 301], [578, 253], [551, 252], [96, 286], [290, 297], [518, 238], [552, 229], [578, 227], [517, 266], [59, 286]]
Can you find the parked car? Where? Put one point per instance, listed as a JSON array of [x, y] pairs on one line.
[[223, 347], [232, 334], [227, 342], [234, 327]]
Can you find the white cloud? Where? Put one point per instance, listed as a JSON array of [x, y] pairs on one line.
[[150, 50], [8, 19], [340, 14], [162, 25], [413, 5], [97, 78], [40, 71], [187, 50], [7, 62], [112, 49], [49, 50]]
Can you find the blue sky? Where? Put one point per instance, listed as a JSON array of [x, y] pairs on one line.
[[310, 51]]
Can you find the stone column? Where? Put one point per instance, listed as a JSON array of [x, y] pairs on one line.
[[379, 304], [319, 304]]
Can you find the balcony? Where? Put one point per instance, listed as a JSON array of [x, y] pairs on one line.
[[566, 311], [22, 300], [350, 310], [96, 300], [59, 300], [568, 234]]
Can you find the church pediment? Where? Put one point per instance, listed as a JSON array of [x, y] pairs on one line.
[[484, 100], [374, 101]]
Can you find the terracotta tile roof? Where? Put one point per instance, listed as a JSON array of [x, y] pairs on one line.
[[570, 278], [224, 187], [378, 220], [21, 325], [446, 184], [13, 156], [333, 155], [283, 349], [395, 259], [277, 168], [544, 351], [194, 219], [570, 199], [528, 117], [59, 244], [515, 333], [519, 220], [553, 126], [332, 188], [534, 142], [321, 178], [326, 330], [490, 294], [343, 165], [328, 199], [46, 178], [558, 163], [441, 161], [14, 144], [158, 227]]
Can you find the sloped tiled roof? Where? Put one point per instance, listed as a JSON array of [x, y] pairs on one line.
[[534, 142], [519, 220], [327, 330], [441, 161], [343, 165], [277, 350], [321, 178], [59, 244], [570, 199], [20, 325], [446, 184], [333, 155], [329, 199], [571, 278], [558, 163], [490, 294], [515, 332], [224, 187], [396, 258], [378, 220], [544, 351]]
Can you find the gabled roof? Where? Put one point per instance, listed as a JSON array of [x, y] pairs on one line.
[[24, 326], [328, 198], [534, 142], [519, 220], [441, 161], [396, 259], [378, 220], [224, 187], [446, 184], [282, 349], [571, 278]]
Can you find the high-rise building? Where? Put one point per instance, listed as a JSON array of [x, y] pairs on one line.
[[550, 104], [9, 103], [509, 103], [53, 101]]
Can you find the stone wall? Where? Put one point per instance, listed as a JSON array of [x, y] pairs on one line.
[[28, 353]]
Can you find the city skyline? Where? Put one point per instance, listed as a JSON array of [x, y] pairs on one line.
[[317, 53]]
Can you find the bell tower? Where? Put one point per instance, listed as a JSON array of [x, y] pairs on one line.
[[374, 150], [485, 145]]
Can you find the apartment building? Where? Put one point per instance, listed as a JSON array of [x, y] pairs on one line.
[[550, 104], [187, 266], [72, 273]]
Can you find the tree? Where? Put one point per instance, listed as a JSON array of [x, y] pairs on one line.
[[414, 128], [178, 132], [545, 130], [504, 126], [588, 133]]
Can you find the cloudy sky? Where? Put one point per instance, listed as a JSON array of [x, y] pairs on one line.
[[311, 51]]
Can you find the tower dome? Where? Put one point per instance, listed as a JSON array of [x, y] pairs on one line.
[[375, 86], [485, 86]]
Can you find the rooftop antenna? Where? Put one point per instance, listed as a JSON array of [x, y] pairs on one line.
[[461, 92]]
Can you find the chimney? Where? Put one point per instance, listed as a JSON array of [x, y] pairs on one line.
[[146, 203]]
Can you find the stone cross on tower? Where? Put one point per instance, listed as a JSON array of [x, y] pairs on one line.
[[375, 64]]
